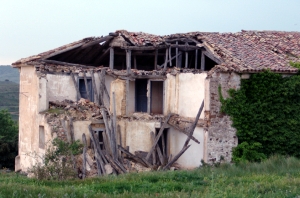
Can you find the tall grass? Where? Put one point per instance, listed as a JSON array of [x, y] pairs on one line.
[[275, 177]]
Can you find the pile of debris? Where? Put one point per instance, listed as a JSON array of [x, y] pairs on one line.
[[110, 157]]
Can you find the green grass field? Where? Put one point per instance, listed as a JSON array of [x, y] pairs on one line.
[[276, 177]]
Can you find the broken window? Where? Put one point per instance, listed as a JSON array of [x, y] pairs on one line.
[[152, 103], [86, 91], [99, 134], [41, 137]]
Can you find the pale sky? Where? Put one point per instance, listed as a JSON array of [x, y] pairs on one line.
[[29, 27]]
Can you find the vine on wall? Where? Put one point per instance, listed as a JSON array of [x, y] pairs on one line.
[[266, 113]]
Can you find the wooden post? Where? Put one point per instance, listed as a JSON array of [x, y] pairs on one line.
[[86, 85], [166, 60], [170, 60], [202, 61], [76, 86], [94, 88], [84, 156], [111, 58], [186, 59], [158, 136], [177, 54], [155, 59], [71, 130], [196, 58], [128, 61], [114, 121]]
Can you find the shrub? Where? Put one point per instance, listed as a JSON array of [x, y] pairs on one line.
[[58, 161]]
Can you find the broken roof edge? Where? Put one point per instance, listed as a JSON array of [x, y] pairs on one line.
[[55, 51]]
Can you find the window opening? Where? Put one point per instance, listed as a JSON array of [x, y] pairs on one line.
[[209, 64], [141, 95], [82, 89], [156, 106], [41, 137], [99, 135]]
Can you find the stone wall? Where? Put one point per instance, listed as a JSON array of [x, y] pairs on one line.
[[221, 136]]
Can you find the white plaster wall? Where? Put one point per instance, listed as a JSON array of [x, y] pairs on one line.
[[191, 92], [81, 127], [118, 87], [194, 154], [60, 87], [171, 95], [43, 96], [28, 111], [136, 134]]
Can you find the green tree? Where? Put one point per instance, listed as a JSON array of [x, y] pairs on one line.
[[8, 140]]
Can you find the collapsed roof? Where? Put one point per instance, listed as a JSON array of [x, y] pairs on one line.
[[245, 51]]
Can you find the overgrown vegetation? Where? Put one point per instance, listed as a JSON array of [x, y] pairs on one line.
[[266, 113], [295, 64], [58, 161], [8, 140], [275, 177]]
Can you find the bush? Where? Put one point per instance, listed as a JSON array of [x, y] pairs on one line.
[[58, 163], [8, 140], [266, 113]]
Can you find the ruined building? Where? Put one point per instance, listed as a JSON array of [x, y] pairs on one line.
[[136, 84]]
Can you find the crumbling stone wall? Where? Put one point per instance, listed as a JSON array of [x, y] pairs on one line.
[[221, 136]]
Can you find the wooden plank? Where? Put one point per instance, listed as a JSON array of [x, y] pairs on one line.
[[154, 151], [160, 156], [212, 57], [163, 146], [114, 128], [84, 156], [111, 58], [76, 87], [106, 143], [158, 135], [176, 157], [71, 130], [196, 58], [114, 164], [86, 85], [193, 126], [128, 61], [171, 59], [144, 48], [185, 132], [95, 88], [67, 64]]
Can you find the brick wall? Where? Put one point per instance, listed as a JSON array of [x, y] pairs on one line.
[[221, 136]]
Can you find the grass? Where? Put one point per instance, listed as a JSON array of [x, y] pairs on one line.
[[275, 177]]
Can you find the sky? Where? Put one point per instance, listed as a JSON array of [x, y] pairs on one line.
[[29, 27]]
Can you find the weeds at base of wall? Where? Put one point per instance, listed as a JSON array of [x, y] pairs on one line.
[[56, 163]]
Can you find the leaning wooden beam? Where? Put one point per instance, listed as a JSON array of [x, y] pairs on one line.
[[84, 156], [100, 165], [107, 129], [176, 157], [66, 64], [184, 131], [115, 165], [104, 54], [160, 66], [130, 155], [160, 155], [111, 58], [76, 86], [193, 126], [158, 135], [86, 85], [71, 130], [114, 128], [154, 152]]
